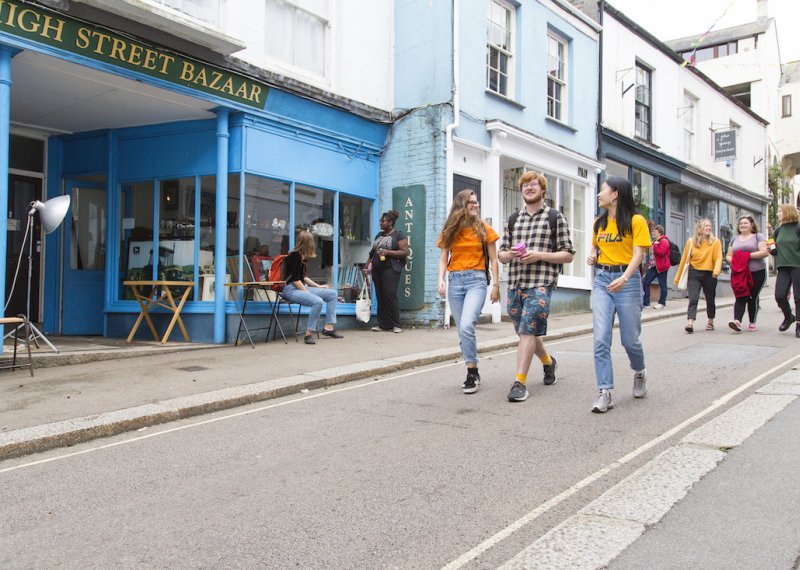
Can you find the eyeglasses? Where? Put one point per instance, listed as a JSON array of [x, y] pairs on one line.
[[531, 184], [473, 202]]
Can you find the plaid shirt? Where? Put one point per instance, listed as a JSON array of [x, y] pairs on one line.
[[534, 230]]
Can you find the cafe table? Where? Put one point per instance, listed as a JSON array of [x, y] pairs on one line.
[[159, 294]]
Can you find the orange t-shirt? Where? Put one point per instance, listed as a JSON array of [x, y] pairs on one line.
[[466, 252]]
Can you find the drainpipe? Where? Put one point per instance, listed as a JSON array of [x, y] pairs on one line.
[[449, 133], [221, 229]]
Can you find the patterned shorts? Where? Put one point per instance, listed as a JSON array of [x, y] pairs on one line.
[[529, 309]]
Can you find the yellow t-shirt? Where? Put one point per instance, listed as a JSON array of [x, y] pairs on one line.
[[616, 249], [466, 252]]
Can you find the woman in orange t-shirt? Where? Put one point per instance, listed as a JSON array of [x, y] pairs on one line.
[[461, 242]]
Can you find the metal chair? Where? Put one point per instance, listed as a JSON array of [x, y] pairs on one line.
[[22, 325]]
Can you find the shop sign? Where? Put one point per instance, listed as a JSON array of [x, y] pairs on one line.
[[36, 24], [409, 201], [725, 145]]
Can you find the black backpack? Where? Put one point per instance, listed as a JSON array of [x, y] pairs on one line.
[[674, 253], [552, 218]]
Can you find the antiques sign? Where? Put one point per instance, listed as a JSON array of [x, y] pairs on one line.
[[101, 44], [725, 145], [409, 201]]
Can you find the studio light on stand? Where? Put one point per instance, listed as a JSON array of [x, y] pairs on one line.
[[51, 214]]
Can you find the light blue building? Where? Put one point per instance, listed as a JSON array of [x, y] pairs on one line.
[[486, 90]]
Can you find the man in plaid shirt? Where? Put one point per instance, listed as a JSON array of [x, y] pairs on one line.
[[532, 277]]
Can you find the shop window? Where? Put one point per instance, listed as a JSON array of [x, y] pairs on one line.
[[644, 194], [614, 168], [136, 234], [314, 212], [571, 203], [355, 241], [176, 231]]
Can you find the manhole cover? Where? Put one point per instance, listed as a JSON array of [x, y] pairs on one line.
[[193, 368]]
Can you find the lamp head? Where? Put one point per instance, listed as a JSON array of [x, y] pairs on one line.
[[52, 212]]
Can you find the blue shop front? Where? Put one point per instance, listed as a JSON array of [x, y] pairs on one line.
[[177, 170]]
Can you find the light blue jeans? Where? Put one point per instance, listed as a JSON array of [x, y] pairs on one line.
[[627, 304], [466, 292], [315, 298]]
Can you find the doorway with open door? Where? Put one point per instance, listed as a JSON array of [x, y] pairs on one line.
[[22, 190]]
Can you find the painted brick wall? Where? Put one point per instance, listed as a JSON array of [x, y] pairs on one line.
[[415, 154]]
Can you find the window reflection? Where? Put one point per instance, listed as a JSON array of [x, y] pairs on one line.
[[136, 235], [314, 212]]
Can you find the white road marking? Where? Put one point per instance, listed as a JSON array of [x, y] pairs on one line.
[[561, 497]]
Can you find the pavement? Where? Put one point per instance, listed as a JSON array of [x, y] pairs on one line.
[[96, 387]]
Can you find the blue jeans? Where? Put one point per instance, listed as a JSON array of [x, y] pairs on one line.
[[466, 292], [627, 304], [649, 277], [314, 297]]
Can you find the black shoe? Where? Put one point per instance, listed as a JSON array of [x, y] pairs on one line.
[[787, 322], [550, 372], [471, 383], [797, 330], [309, 339], [331, 333]]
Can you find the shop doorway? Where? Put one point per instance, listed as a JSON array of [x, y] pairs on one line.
[[22, 190], [84, 260]]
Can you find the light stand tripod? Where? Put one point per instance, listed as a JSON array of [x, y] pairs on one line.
[[51, 214]]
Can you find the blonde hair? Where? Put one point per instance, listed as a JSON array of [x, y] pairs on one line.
[[698, 229], [461, 218], [305, 244], [790, 215]]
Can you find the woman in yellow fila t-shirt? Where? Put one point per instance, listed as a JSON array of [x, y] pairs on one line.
[[620, 237], [461, 242]]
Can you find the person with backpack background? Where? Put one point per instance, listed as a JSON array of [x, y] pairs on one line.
[[659, 266], [302, 290], [535, 244]]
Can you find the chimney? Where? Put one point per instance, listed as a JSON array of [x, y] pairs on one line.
[[761, 10]]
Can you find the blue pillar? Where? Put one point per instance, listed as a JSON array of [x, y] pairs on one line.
[[5, 119], [221, 227]]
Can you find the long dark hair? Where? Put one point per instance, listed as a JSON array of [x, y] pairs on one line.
[[626, 207]]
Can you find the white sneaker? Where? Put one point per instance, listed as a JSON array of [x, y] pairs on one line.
[[658, 306], [602, 402], [640, 384], [397, 330]]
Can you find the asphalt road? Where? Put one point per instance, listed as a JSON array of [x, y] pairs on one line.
[[402, 471]]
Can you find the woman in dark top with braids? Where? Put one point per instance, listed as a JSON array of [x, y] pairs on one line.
[[386, 258]]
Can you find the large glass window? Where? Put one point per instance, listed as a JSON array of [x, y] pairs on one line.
[[266, 221], [643, 128], [499, 47], [176, 230], [644, 194], [614, 168], [136, 234], [571, 204], [355, 240], [556, 76], [314, 212], [297, 33]]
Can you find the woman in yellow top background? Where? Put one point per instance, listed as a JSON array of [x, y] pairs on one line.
[[704, 267], [461, 242]]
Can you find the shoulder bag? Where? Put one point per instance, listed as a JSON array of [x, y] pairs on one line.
[[684, 279], [364, 304]]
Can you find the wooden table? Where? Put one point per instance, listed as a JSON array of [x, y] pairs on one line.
[[160, 296], [272, 298]]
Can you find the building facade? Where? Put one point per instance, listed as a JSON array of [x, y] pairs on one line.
[[194, 142], [690, 149], [484, 92]]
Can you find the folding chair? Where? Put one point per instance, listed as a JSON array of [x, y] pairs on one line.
[[21, 322]]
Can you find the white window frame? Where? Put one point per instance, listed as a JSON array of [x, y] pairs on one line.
[[323, 19], [786, 106], [557, 106], [688, 112], [194, 9], [644, 100], [503, 51]]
